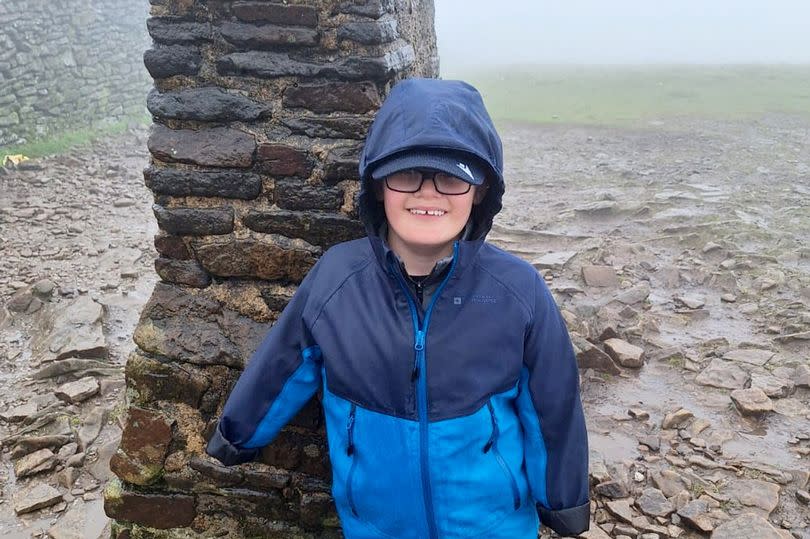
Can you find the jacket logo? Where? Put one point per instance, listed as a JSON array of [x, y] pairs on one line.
[[466, 169], [483, 299]]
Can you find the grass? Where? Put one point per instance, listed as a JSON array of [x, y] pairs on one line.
[[632, 95], [62, 142]]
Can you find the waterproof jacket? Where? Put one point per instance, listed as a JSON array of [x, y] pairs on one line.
[[461, 418]]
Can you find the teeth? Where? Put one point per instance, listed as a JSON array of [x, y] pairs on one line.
[[437, 213]]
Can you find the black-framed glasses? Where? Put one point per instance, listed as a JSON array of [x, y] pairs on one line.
[[411, 180]]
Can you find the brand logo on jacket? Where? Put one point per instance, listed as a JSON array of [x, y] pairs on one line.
[[477, 298]]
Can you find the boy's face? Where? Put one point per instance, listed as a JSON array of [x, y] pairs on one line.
[[426, 219]]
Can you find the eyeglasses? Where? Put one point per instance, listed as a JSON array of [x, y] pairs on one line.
[[410, 181]]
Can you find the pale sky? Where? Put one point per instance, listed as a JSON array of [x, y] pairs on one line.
[[483, 32]]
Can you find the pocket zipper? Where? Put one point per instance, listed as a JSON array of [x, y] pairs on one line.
[[350, 453], [491, 445]]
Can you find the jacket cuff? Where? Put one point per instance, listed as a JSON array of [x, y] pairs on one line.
[[227, 453], [571, 521]]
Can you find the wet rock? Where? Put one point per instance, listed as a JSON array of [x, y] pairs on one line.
[[30, 444], [152, 510], [600, 276], [91, 427], [43, 288], [278, 13], [556, 260], [71, 525], [144, 444], [752, 356], [41, 460], [690, 301], [186, 272], [752, 401], [746, 526], [74, 367], [670, 482], [772, 386], [634, 295], [728, 298], [638, 413], [651, 441], [226, 183], [621, 510], [67, 477], [19, 413], [296, 195], [73, 331], [267, 36], [652, 502], [591, 357], [36, 497], [611, 489], [626, 354], [676, 419], [24, 302], [755, 494], [723, 374], [172, 32], [172, 60], [802, 376], [214, 147], [695, 513], [283, 160], [791, 337], [595, 532], [194, 221], [803, 496], [369, 32], [322, 229], [357, 98], [347, 126], [78, 391]]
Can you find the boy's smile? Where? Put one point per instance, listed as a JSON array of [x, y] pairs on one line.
[[426, 222]]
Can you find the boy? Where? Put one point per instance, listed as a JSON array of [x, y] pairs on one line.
[[450, 387]]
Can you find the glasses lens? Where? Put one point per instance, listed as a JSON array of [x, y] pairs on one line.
[[450, 185], [406, 181]]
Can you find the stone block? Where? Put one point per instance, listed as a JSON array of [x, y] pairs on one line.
[[297, 195], [172, 60], [207, 104], [342, 163], [195, 221], [172, 31], [355, 97], [369, 33], [278, 13], [282, 160], [161, 511], [186, 272], [154, 380], [367, 8], [215, 147], [172, 247], [323, 229], [267, 36], [144, 444], [351, 127], [273, 257], [180, 183], [221, 475]]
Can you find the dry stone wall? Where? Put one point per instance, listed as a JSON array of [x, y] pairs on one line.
[[66, 64], [260, 109]]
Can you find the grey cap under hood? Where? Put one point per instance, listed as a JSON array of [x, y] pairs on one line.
[[436, 114]]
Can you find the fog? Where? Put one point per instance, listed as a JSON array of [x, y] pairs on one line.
[[482, 32]]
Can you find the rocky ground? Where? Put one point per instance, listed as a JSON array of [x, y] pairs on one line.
[[680, 254]]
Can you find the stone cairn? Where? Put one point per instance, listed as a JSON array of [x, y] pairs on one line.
[[260, 111]]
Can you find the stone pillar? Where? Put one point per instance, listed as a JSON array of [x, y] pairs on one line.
[[260, 110]]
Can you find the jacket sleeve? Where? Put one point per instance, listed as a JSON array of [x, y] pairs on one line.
[[550, 409], [281, 376]]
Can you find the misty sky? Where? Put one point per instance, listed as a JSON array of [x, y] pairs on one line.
[[485, 32]]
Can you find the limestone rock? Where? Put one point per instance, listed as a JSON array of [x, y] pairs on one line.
[[752, 401], [652, 502], [752, 356], [600, 276], [36, 497], [746, 526], [676, 419], [723, 374], [78, 391], [34, 463], [626, 354]]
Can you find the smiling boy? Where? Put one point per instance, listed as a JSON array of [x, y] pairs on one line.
[[450, 387]]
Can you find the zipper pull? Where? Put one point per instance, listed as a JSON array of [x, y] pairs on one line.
[[419, 345], [350, 429]]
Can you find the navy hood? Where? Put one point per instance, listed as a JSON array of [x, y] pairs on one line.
[[440, 115]]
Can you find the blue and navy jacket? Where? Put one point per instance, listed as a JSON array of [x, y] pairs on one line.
[[461, 418]]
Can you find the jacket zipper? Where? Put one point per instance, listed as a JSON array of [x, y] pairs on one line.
[[350, 453], [492, 444], [419, 375]]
